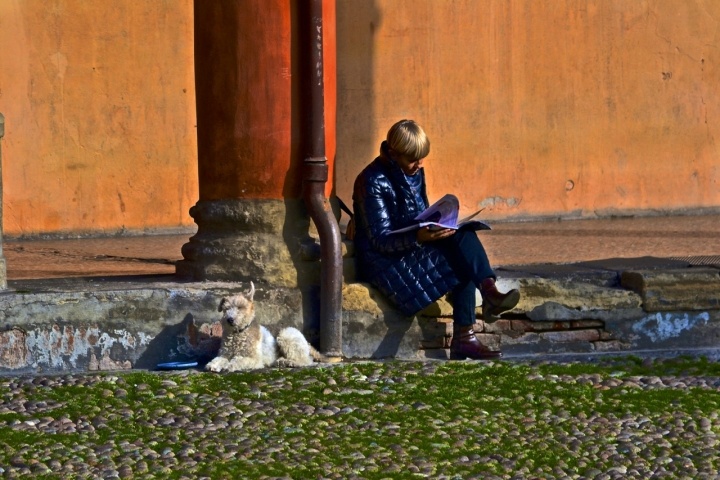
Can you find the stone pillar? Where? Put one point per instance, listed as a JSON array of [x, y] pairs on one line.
[[3, 266], [251, 141]]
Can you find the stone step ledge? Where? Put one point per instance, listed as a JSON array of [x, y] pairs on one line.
[[107, 325], [676, 289]]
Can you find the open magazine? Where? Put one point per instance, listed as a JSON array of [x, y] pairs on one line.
[[444, 214]]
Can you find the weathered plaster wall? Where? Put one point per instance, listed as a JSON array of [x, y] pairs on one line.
[[575, 108], [99, 104]]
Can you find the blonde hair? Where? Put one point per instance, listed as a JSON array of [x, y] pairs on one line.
[[408, 138]]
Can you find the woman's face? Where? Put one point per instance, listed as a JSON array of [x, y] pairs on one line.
[[407, 164]]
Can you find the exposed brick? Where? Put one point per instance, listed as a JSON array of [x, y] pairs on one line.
[[605, 335], [499, 326], [435, 334], [572, 336], [521, 325], [436, 328], [520, 338], [13, 350], [530, 326], [436, 342], [579, 324]]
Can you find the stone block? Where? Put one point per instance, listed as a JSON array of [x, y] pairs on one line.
[[385, 336], [554, 311], [610, 346], [362, 297], [435, 334], [675, 290], [669, 330], [251, 239], [372, 328], [442, 308], [490, 340], [117, 325], [574, 273], [565, 297]]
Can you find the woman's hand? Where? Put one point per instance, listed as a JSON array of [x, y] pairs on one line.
[[426, 235]]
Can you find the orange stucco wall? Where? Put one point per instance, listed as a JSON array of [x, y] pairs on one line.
[[574, 108], [99, 108]]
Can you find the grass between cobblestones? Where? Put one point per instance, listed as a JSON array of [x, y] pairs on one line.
[[369, 420]]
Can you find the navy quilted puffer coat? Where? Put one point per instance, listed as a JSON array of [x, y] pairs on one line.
[[411, 275]]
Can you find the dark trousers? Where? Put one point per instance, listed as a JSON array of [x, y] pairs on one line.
[[467, 256]]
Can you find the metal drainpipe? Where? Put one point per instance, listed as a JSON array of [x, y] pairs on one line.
[[3, 266], [315, 176]]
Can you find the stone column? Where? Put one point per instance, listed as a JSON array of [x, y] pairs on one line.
[[3, 266], [251, 136]]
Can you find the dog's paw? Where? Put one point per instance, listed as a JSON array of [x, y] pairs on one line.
[[285, 363], [239, 364], [218, 364]]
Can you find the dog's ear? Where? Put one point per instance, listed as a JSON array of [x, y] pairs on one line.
[[250, 293], [221, 307]]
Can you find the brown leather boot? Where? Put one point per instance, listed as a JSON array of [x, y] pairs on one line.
[[494, 302], [465, 344]]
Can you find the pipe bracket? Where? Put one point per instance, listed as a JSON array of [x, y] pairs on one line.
[[316, 171]]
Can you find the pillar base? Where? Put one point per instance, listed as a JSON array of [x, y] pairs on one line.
[[249, 240], [3, 272]]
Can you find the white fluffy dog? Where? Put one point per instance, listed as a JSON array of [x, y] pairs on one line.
[[247, 345]]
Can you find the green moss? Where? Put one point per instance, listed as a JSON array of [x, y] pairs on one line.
[[396, 413]]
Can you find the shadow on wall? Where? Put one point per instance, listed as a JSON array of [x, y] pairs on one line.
[[297, 224], [356, 26], [185, 341]]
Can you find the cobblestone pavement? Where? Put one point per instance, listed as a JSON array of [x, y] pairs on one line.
[[370, 420], [446, 420]]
